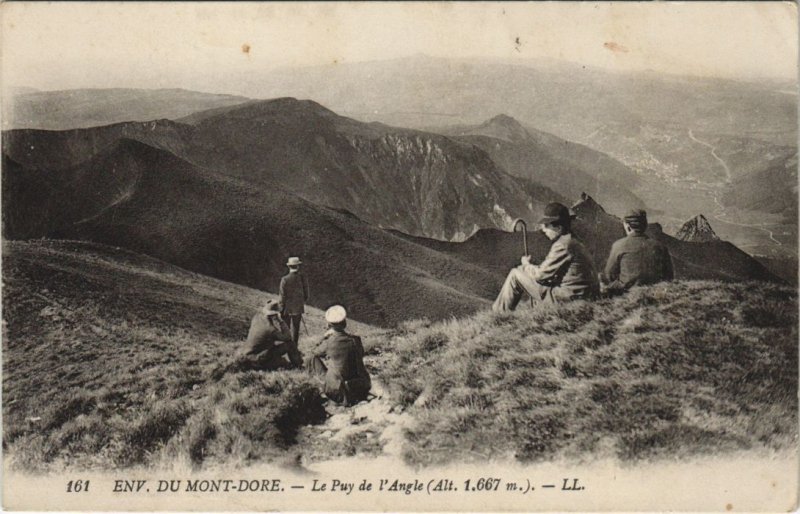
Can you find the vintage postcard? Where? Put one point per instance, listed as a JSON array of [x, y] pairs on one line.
[[399, 256]]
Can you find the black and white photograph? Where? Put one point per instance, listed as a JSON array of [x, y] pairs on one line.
[[399, 256]]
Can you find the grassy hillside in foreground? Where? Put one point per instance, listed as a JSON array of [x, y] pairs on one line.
[[106, 358], [664, 372]]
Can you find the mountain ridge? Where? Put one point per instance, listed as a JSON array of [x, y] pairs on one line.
[[417, 182]]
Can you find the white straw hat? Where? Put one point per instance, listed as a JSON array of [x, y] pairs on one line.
[[335, 314]]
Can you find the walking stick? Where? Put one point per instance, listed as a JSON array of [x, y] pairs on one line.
[[303, 322], [524, 240], [524, 232]]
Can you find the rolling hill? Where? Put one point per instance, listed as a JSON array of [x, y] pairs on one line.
[[417, 182], [149, 201], [81, 108]]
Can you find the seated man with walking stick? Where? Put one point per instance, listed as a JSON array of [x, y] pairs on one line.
[[566, 273]]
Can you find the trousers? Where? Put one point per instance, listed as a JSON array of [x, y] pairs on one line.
[[519, 282], [347, 392], [293, 321]]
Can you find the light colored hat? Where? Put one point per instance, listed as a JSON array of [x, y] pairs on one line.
[[294, 261], [271, 307], [335, 314]]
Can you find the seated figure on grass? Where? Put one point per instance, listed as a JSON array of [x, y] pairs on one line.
[[566, 273], [344, 378], [636, 259], [268, 341]]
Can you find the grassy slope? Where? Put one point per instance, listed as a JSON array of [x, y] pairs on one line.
[[107, 354], [106, 357], [665, 371]]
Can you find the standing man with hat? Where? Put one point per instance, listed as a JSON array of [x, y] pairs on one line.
[[636, 259], [294, 295], [566, 273], [345, 379]]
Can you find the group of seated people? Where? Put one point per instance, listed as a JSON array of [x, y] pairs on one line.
[[566, 273]]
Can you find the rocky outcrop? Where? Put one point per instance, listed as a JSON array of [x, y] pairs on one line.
[[697, 230]]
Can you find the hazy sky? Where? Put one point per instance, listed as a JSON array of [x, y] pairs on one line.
[[68, 45]]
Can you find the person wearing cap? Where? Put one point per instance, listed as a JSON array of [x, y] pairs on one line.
[[566, 273], [294, 295], [345, 380], [636, 259], [268, 340]]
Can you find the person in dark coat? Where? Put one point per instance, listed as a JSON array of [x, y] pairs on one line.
[[636, 259], [268, 340], [294, 295], [344, 378], [566, 273]]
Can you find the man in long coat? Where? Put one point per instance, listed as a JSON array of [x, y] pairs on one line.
[[294, 295]]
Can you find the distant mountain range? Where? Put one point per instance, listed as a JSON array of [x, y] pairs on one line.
[[417, 182], [677, 132], [81, 108], [233, 191]]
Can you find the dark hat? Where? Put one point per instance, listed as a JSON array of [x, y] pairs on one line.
[[636, 215], [636, 219], [556, 212]]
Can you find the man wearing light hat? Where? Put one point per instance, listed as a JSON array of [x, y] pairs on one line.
[[566, 273], [268, 340], [345, 379], [636, 259], [294, 295]]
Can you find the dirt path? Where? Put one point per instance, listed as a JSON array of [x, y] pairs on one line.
[[372, 428], [720, 212], [713, 149]]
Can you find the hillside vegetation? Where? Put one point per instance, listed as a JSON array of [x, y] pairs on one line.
[[107, 357], [664, 372]]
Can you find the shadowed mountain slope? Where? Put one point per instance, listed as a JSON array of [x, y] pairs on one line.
[[568, 168], [149, 201], [416, 182], [80, 108]]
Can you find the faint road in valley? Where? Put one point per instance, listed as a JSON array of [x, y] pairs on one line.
[[719, 213]]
